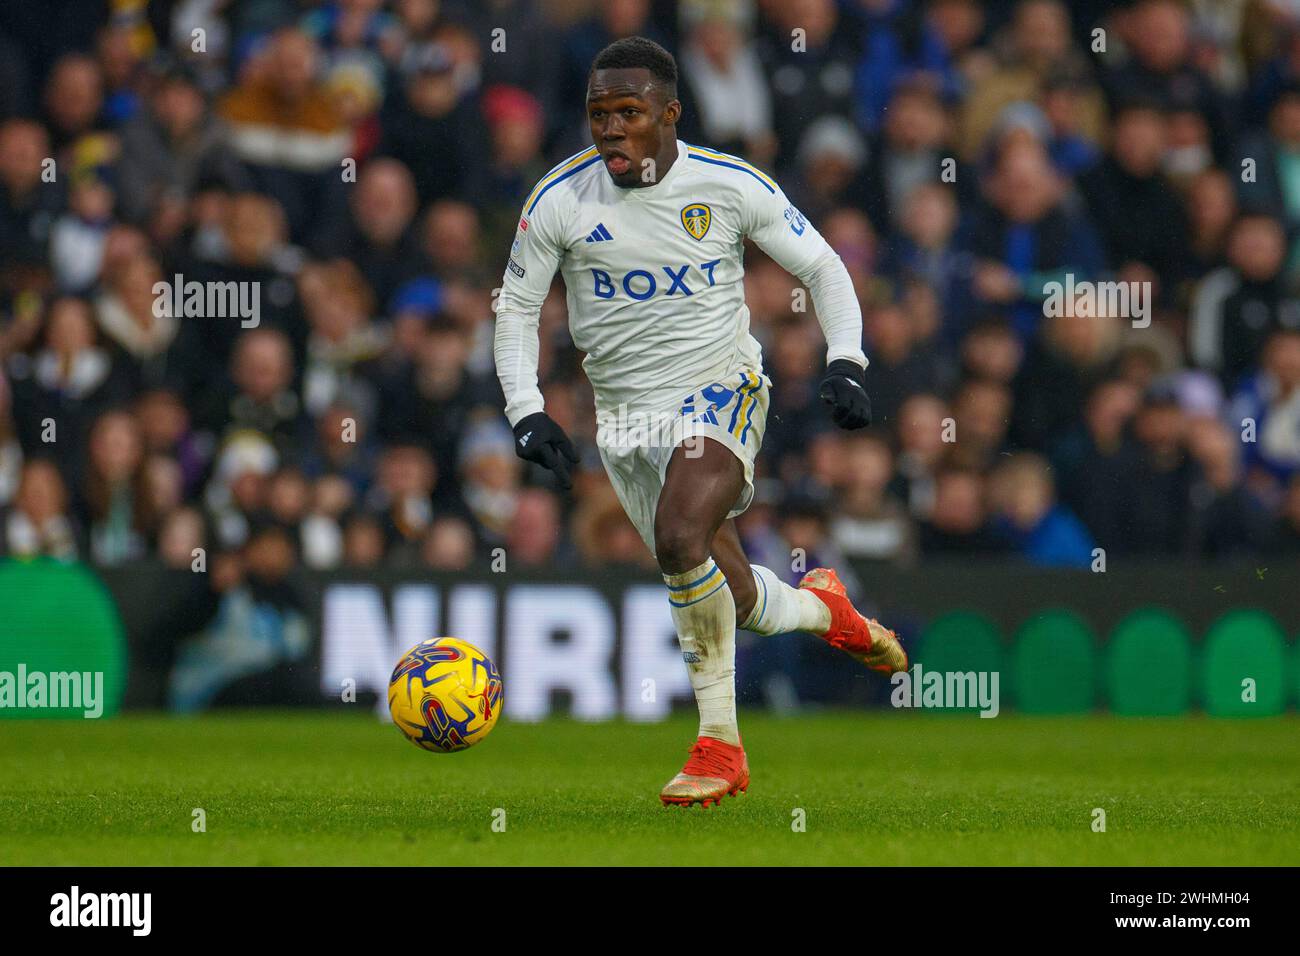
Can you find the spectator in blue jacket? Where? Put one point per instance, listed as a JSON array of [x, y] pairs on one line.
[[1030, 519]]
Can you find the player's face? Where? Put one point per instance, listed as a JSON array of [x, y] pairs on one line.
[[629, 119]]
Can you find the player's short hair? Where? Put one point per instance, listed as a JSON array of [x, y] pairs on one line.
[[639, 53]]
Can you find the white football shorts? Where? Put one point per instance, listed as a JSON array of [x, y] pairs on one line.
[[636, 446]]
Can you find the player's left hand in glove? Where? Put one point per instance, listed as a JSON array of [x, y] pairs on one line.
[[844, 388], [538, 439]]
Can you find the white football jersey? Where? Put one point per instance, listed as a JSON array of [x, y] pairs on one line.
[[655, 274]]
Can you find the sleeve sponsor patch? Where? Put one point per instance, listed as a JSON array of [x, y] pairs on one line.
[[796, 220], [516, 268]]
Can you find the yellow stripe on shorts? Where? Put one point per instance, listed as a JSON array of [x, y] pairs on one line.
[[746, 395]]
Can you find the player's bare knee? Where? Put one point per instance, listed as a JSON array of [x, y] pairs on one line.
[[679, 546]]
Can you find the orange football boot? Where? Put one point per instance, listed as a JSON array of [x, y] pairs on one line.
[[862, 638], [715, 769]]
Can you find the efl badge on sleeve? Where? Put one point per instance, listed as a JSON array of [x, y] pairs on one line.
[[696, 219]]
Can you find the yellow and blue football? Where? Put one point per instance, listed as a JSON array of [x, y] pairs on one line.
[[445, 695]]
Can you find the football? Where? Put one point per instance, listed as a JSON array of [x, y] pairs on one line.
[[445, 695]]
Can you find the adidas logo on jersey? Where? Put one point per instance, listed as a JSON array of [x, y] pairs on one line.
[[599, 234]]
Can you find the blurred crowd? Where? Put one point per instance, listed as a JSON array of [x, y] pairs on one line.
[[363, 162]]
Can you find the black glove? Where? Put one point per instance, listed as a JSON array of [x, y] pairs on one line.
[[844, 388], [538, 439]]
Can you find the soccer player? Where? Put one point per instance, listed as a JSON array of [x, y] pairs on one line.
[[648, 233]]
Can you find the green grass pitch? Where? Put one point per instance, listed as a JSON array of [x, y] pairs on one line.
[[874, 788]]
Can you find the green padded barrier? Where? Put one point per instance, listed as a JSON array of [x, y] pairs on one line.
[[960, 642], [1242, 646], [56, 621], [1295, 672], [1149, 665], [1055, 664]]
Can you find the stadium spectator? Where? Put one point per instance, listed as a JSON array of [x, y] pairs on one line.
[[117, 509], [452, 239], [1211, 211], [925, 432], [145, 334], [1068, 100], [364, 542], [958, 524], [489, 473], [236, 493], [401, 499], [79, 236], [261, 398], [379, 238], [533, 534], [1238, 306], [910, 151], [119, 49], [1073, 353], [849, 232], [1159, 515], [830, 157], [165, 428], [981, 409], [449, 545], [1190, 149], [1030, 519], [1035, 46], [11, 449], [249, 248], [1023, 236], [74, 99], [1270, 156], [792, 411], [182, 532], [343, 343], [28, 205], [991, 351], [1096, 461], [925, 251], [429, 127], [819, 68], [903, 42], [343, 448], [67, 383], [170, 149], [1138, 215], [1229, 521], [287, 131], [1266, 412], [723, 72], [905, 364], [322, 532], [38, 521], [604, 535], [870, 522], [1158, 35]]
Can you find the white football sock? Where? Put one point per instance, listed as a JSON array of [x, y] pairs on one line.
[[704, 614], [780, 608]]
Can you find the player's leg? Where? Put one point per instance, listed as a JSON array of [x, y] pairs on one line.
[[819, 605], [703, 481], [730, 555], [764, 603]]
